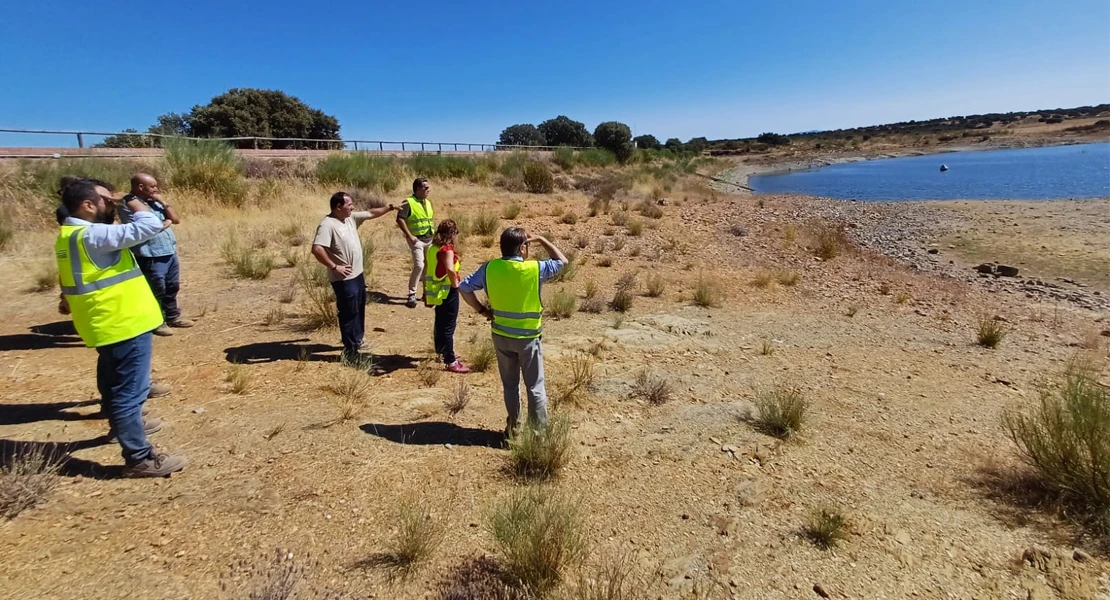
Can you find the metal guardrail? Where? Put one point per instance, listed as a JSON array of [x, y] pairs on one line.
[[316, 143]]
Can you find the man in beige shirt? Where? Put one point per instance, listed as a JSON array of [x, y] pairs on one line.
[[338, 247]]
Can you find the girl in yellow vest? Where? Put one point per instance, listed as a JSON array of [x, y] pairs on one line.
[[441, 291]]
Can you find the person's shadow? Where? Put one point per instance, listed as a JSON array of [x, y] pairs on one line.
[[265, 352], [56, 456], [59, 334], [432, 433], [383, 298], [19, 414]]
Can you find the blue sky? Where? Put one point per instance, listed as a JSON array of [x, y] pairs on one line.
[[462, 71]]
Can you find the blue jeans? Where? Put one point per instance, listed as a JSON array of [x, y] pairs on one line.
[[123, 378], [163, 273], [350, 299]]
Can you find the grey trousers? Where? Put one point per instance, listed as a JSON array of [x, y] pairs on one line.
[[513, 358]]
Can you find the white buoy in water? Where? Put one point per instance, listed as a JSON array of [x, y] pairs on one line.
[[943, 168]]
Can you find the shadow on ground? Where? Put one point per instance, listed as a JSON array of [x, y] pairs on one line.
[[19, 414], [266, 352], [12, 450], [59, 334], [431, 433]]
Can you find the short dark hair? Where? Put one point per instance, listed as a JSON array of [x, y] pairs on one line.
[[511, 241], [77, 192], [418, 183], [68, 180], [337, 199]]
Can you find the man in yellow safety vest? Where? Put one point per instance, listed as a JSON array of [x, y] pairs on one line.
[[512, 284], [115, 312], [415, 219]]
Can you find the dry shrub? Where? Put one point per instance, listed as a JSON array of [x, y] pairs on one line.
[[591, 289], [538, 178], [540, 452], [618, 218], [292, 256], [707, 294], [615, 578], [486, 224], [575, 389], [429, 371], [27, 476], [1066, 439], [622, 300], [764, 279], [653, 389], [782, 412], [635, 227], [480, 578], [419, 533], [46, 276], [274, 317], [634, 251], [788, 278], [487, 241], [240, 378], [829, 241], [826, 528], [561, 305], [246, 263], [510, 212], [655, 285], [569, 270], [459, 399], [482, 356], [352, 386], [541, 534], [767, 348], [289, 295], [605, 261], [618, 244], [650, 210], [627, 282], [581, 242], [990, 332], [592, 305], [569, 219]]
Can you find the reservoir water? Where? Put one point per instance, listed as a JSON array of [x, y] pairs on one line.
[[1077, 171]]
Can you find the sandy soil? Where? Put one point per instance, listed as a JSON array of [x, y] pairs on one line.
[[904, 435]]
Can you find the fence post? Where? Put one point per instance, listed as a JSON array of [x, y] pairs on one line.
[[441, 148], [356, 146], [421, 146], [255, 141], [456, 147], [80, 141]]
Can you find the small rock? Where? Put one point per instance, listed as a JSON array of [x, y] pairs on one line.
[[1081, 556], [199, 410], [1007, 271], [985, 268], [448, 446], [820, 591], [933, 251]]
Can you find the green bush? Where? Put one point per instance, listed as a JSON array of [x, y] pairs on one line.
[[540, 453], [596, 157], [538, 178], [616, 138], [360, 170], [782, 412], [561, 305], [439, 166], [512, 166], [565, 158], [486, 223], [541, 534], [1066, 438], [207, 166]]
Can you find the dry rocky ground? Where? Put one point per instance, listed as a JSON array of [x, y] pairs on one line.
[[904, 436]]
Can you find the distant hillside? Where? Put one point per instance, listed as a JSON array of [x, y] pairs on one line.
[[921, 133]]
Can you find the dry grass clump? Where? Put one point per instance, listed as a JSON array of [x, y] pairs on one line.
[[650, 210], [27, 476], [486, 224], [540, 453], [480, 578], [581, 242], [46, 277], [990, 332], [569, 219], [829, 241], [246, 263], [418, 535], [592, 304], [826, 528], [655, 285], [605, 261], [707, 294], [541, 535], [1066, 439], [240, 378], [618, 244], [576, 388], [618, 219], [487, 241], [764, 279], [459, 398], [275, 317], [510, 212], [351, 386], [782, 412], [569, 270], [622, 300], [482, 356], [767, 348], [561, 305], [429, 371], [635, 227], [788, 278], [903, 297], [651, 388]]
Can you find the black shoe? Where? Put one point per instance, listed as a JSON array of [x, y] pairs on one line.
[[412, 301]]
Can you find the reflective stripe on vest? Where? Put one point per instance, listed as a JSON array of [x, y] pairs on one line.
[[110, 303], [436, 289], [513, 288], [420, 219]]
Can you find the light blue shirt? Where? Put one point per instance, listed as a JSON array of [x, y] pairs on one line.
[[477, 280], [104, 242], [163, 244]]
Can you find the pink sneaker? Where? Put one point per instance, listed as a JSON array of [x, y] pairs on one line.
[[458, 367]]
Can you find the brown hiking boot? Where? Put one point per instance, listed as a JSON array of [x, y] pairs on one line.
[[163, 330], [159, 464], [158, 389], [179, 322], [151, 426]]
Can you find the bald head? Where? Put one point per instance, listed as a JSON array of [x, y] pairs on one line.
[[144, 186]]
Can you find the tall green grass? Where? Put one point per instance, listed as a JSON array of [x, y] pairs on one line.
[[208, 166], [41, 177], [565, 158], [361, 170], [596, 157], [437, 166]]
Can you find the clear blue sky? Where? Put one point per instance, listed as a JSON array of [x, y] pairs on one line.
[[462, 71]]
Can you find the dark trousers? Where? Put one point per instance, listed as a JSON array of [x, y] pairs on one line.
[[350, 298], [163, 273], [123, 378], [447, 314]]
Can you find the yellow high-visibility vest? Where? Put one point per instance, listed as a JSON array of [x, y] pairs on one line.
[[109, 303], [436, 289], [513, 287], [420, 216]]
